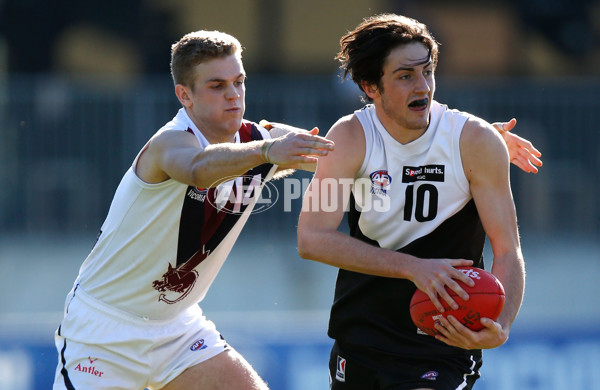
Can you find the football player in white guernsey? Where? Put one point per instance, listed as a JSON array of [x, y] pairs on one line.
[[428, 184], [132, 319]]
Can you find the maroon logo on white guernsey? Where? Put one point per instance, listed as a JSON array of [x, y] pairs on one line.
[[179, 281]]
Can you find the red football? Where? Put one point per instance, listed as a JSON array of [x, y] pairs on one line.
[[486, 299]]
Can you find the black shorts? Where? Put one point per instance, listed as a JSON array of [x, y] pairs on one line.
[[352, 368]]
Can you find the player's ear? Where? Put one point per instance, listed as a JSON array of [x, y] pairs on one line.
[[184, 94], [370, 89]]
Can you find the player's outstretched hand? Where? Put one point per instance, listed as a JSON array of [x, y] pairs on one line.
[[433, 275], [454, 333], [298, 149], [522, 152]]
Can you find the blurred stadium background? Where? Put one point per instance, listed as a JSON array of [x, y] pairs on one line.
[[84, 84]]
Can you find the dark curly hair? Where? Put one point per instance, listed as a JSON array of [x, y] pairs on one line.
[[364, 49]]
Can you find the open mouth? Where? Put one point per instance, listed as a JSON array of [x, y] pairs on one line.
[[418, 104]]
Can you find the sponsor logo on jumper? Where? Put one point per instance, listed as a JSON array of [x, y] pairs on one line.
[[198, 345], [340, 372], [89, 369], [430, 375], [380, 182], [422, 173]]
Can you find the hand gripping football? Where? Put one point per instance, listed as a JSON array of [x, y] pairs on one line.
[[486, 299]]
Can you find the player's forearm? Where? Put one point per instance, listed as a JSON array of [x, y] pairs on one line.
[[342, 251], [222, 162], [510, 270]]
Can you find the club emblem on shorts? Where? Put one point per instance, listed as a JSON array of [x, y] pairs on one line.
[[198, 345], [380, 182], [430, 375], [340, 372]]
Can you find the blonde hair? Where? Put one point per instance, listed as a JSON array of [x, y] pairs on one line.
[[197, 47]]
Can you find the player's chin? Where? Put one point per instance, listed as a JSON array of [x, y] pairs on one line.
[[233, 121], [419, 123]]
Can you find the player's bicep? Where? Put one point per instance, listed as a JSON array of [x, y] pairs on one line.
[[325, 200], [328, 194], [173, 154], [497, 212], [487, 166]]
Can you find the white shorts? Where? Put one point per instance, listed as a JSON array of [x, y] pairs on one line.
[[101, 347]]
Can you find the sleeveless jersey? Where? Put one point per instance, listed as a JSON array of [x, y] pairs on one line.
[[162, 245], [413, 198]]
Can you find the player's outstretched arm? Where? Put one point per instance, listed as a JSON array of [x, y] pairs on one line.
[[177, 155], [522, 152]]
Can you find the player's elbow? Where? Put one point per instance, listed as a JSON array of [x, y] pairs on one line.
[[197, 173], [305, 244]]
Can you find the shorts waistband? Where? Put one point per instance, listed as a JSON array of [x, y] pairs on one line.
[[79, 294]]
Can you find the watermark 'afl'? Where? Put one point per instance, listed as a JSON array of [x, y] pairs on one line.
[[326, 195]]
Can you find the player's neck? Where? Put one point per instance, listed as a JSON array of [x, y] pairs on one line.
[[403, 131]]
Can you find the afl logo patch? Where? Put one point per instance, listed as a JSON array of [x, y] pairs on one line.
[[380, 182], [430, 375], [198, 345]]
